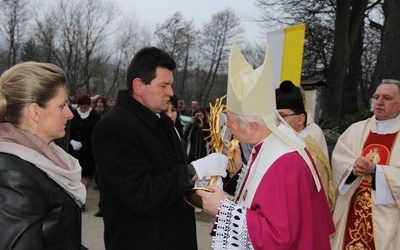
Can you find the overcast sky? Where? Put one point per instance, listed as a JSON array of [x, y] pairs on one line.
[[152, 12]]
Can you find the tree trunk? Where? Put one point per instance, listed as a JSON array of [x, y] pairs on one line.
[[354, 79], [349, 28], [332, 96], [356, 41], [388, 62]]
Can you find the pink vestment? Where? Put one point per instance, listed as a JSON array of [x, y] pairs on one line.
[[278, 206]]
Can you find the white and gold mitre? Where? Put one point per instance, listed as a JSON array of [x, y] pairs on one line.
[[251, 92]]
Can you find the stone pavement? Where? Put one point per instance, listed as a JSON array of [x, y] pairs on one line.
[[92, 227]]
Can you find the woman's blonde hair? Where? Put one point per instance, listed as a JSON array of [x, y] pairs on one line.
[[25, 83]]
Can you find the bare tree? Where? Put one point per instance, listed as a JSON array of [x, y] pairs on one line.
[[13, 18], [388, 62], [335, 46], [96, 28], [217, 37], [177, 36], [46, 33], [67, 48], [127, 42], [74, 34], [347, 29], [254, 54], [29, 51], [319, 17]]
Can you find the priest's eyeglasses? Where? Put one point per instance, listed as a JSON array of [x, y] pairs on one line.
[[286, 115]]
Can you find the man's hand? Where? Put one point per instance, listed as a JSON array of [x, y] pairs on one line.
[[211, 200], [363, 166]]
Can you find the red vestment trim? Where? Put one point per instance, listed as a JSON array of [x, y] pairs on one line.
[[359, 232], [253, 157]]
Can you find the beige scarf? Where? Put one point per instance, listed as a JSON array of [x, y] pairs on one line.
[[50, 158]]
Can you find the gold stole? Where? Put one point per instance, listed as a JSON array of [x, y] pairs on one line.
[[359, 232]]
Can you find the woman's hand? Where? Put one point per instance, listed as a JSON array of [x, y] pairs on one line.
[[198, 121]]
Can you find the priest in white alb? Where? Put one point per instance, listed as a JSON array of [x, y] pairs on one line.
[[366, 177]]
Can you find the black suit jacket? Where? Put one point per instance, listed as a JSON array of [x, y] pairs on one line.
[[143, 176]]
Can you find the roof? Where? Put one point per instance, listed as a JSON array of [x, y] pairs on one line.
[[311, 84]]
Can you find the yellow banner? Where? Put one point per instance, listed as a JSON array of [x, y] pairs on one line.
[[292, 57]]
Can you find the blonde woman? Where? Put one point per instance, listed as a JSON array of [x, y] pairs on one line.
[[40, 189]]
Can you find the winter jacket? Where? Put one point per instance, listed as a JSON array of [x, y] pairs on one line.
[[35, 212]]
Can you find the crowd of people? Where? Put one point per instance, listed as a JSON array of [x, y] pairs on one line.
[[285, 192]]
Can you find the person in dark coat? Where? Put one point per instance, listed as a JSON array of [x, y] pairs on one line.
[[141, 165], [175, 115], [196, 135], [82, 125], [40, 189]]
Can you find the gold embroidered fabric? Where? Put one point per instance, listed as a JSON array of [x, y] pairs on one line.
[[324, 168], [359, 234]]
